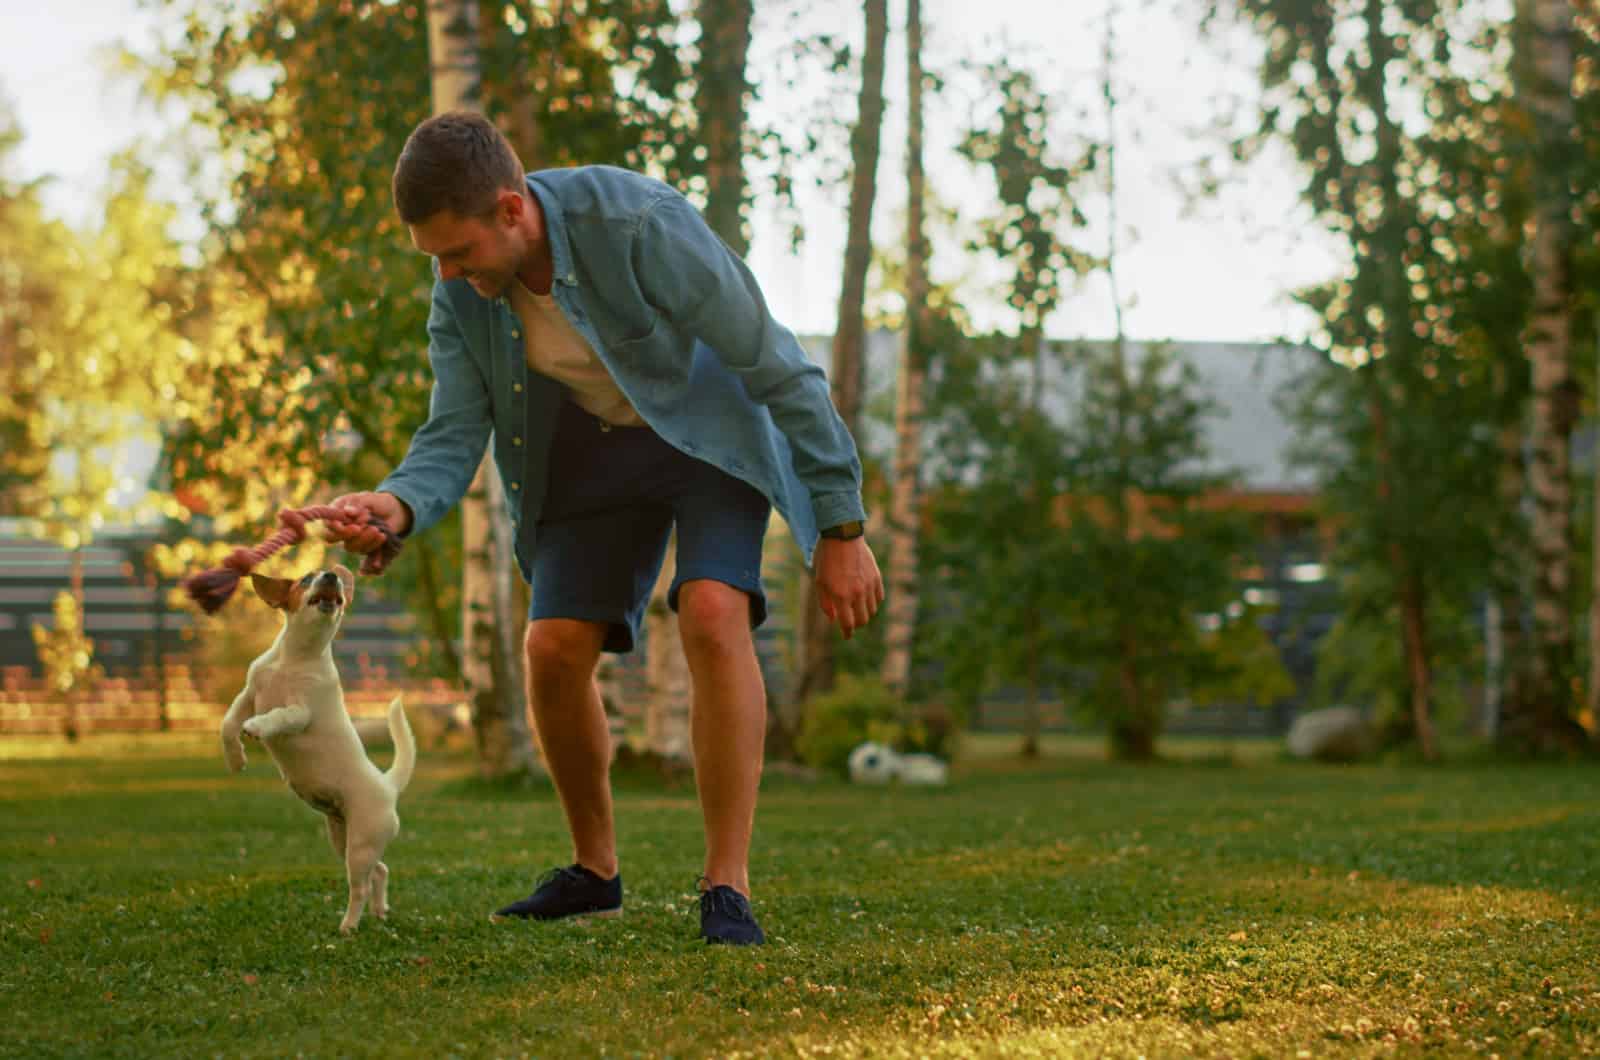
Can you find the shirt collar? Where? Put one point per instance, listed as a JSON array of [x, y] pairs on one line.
[[555, 227]]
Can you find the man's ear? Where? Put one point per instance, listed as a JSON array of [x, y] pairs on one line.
[[346, 579], [509, 207], [275, 591]]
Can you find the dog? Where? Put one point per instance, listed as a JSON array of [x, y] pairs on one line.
[[293, 704]]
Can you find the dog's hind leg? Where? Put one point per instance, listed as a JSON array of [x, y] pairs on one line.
[[359, 860], [336, 834], [380, 890], [380, 872]]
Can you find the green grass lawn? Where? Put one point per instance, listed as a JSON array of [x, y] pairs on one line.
[[151, 905]]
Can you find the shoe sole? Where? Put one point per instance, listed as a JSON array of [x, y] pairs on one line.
[[601, 914]]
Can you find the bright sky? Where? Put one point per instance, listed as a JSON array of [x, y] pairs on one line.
[[1215, 271]]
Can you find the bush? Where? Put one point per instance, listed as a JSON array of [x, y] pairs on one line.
[[857, 709]]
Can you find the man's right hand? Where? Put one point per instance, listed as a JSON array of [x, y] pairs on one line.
[[364, 539]]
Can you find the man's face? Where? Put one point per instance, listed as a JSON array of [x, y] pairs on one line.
[[485, 251]]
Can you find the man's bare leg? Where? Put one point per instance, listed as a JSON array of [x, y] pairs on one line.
[[728, 723], [564, 702]]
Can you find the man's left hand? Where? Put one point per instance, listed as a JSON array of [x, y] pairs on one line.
[[849, 587]]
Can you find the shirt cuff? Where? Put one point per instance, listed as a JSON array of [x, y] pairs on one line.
[[831, 509]]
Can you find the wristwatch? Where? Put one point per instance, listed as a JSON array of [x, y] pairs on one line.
[[845, 531]]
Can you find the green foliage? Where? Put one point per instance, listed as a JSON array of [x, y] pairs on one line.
[[1242, 664], [65, 652], [1069, 547], [308, 374], [1034, 194], [1413, 121], [859, 708], [1359, 662], [32, 272]]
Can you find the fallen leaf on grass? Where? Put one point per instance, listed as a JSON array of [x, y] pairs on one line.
[[251, 979]]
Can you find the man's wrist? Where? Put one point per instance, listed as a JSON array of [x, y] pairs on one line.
[[847, 531], [408, 518]]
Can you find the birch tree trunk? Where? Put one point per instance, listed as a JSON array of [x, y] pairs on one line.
[[491, 664], [815, 648], [904, 526], [1545, 717], [1507, 679], [720, 99]]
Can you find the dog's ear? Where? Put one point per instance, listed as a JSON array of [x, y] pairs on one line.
[[346, 579], [275, 591]]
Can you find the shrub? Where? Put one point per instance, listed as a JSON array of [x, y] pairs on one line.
[[857, 709]]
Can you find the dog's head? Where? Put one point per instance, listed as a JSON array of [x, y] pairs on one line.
[[318, 597]]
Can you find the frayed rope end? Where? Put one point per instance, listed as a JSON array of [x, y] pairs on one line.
[[211, 589]]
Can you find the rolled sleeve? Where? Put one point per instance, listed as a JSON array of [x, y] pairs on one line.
[[690, 276], [445, 452]]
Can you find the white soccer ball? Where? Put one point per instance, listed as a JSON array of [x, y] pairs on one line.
[[873, 763]]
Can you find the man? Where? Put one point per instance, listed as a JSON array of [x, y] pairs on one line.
[[625, 363]]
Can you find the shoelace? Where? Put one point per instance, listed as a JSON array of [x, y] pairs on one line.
[[727, 901]]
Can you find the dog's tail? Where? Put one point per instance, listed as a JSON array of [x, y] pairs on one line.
[[405, 747]]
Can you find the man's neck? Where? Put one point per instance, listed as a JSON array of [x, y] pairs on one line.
[[537, 271]]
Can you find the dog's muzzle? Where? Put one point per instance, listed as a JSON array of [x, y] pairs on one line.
[[326, 593]]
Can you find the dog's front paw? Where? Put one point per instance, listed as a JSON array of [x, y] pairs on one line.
[[234, 754], [252, 729]]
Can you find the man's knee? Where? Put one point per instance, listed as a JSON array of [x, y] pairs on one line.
[[713, 615], [562, 648]]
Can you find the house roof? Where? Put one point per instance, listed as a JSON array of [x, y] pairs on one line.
[[1246, 380]]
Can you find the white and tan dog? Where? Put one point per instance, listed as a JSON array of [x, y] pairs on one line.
[[293, 703]]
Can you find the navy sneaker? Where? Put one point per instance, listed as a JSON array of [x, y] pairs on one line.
[[572, 891], [725, 918]]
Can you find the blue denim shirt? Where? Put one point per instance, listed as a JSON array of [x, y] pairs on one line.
[[679, 322]]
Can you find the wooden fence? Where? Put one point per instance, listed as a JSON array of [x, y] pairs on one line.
[[139, 703]]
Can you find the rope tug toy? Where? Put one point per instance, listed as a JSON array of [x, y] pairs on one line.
[[211, 589]]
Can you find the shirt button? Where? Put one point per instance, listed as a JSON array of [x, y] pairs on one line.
[[515, 486], [516, 334], [516, 388], [516, 441]]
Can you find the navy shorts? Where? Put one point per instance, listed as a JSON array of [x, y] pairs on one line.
[[613, 498]]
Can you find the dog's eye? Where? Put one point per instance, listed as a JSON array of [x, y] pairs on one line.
[[306, 579]]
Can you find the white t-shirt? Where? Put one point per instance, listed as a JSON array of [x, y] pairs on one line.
[[554, 348]]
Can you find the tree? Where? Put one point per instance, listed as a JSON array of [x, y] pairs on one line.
[[905, 508], [1025, 235], [1110, 609], [316, 299], [721, 88], [492, 669], [1404, 417], [90, 353], [33, 267], [815, 648], [1544, 716]]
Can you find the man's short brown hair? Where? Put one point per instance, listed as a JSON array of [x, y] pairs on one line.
[[455, 161]]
